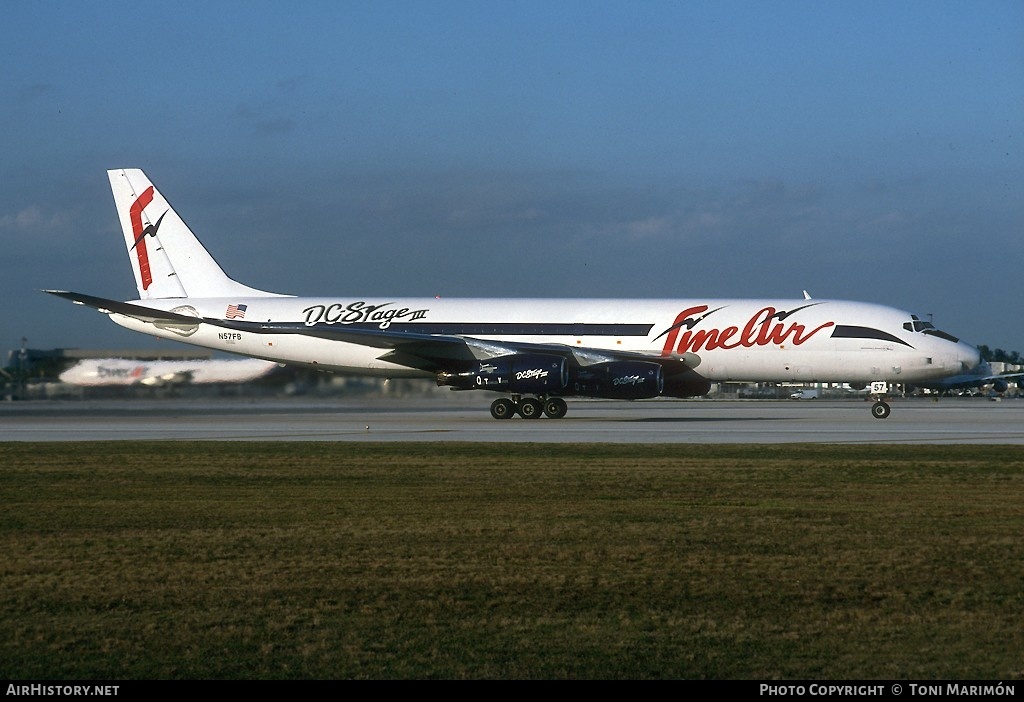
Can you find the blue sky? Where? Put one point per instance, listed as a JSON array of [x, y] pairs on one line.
[[868, 151]]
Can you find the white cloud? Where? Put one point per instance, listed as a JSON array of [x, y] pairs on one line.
[[33, 218]]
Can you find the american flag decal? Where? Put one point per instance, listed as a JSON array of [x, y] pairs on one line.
[[235, 312]]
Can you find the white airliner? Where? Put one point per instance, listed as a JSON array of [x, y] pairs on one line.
[[534, 352], [122, 371]]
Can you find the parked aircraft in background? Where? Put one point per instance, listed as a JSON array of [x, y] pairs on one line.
[[120, 371], [534, 352], [979, 377]]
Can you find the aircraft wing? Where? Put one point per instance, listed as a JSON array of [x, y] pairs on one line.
[[435, 352]]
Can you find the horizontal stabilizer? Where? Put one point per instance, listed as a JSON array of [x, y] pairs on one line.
[[144, 314]]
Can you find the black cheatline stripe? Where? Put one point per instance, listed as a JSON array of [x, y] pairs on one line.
[[842, 331], [505, 328]]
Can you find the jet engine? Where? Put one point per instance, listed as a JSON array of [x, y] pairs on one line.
[[617, 380], [527, 374], [686, 384]]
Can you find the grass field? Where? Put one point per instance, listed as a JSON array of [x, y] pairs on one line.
[[338, 560]]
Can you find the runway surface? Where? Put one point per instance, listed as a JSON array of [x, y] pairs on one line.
[[920, 421]]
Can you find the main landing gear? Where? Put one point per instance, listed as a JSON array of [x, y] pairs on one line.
[[529, 407]]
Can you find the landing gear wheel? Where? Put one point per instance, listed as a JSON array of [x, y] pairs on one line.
[[503, 408], [555, 407], [529, 408], [880, 410]]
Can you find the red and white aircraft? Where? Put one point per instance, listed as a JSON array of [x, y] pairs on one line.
[[123, 371], [534, 352]]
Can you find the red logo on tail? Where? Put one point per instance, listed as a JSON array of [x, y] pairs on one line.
[[140, 236]]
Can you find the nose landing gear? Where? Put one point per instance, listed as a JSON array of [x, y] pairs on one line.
[[881, 409]]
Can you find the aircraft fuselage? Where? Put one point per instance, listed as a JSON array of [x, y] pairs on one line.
[[736, 340]]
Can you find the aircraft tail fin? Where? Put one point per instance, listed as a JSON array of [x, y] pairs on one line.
[[167, 258]]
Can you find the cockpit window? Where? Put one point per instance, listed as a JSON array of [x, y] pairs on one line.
[[919, 325]]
